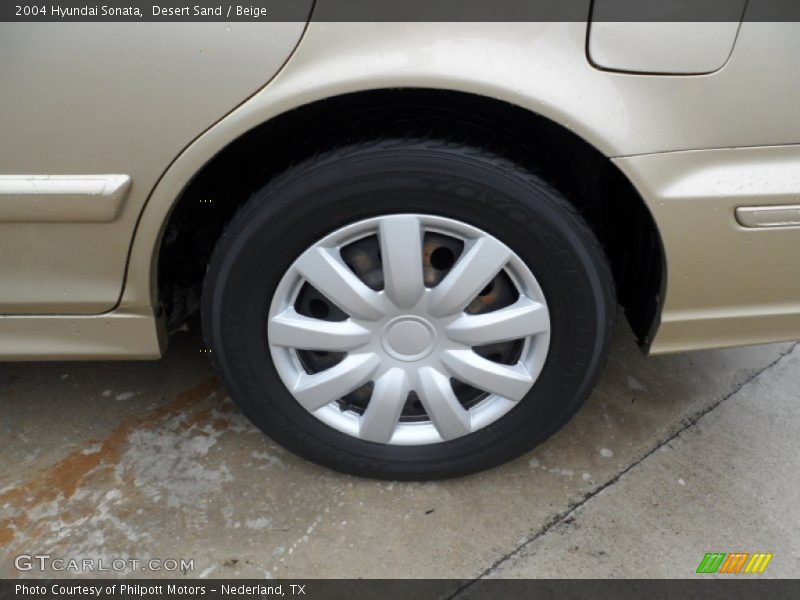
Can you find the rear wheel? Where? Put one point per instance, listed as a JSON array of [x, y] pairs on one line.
[[408, 309]]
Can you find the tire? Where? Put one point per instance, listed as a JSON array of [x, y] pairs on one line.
[[466, 185]]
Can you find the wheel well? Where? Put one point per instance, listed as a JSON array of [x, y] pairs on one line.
[[601, 193]]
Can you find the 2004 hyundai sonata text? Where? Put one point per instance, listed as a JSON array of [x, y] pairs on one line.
[[407, 241]]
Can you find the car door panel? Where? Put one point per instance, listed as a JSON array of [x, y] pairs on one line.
[[98, 102]]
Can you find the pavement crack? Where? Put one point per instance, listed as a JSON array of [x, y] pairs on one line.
[[560, 517]]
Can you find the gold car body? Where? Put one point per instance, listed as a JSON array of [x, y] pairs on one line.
[[104, 125]]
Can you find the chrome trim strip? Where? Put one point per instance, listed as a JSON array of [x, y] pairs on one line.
[[769, 216], [62, 198]]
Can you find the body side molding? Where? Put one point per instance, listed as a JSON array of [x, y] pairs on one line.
[[782, 215], [62, 198]]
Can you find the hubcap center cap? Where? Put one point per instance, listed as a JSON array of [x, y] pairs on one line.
[[408, 338]]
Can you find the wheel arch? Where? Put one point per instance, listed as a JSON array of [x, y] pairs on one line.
[[177, 233]]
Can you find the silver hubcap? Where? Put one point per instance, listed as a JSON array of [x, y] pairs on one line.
[[409, 329]]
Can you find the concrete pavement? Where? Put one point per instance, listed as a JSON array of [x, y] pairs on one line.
[[727, 481], [151, 460]]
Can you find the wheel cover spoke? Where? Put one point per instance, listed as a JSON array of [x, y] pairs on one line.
[[294, 330], [479, 265], [401, 250], [328, 274], [523, 318], [317, 390], [385, 405], [407, 345], [509, 381], [449, 417]]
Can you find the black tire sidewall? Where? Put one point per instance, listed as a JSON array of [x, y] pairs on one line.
[[311, 200]]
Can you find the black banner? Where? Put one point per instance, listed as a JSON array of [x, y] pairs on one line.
[[393, 10], [418, 589]]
